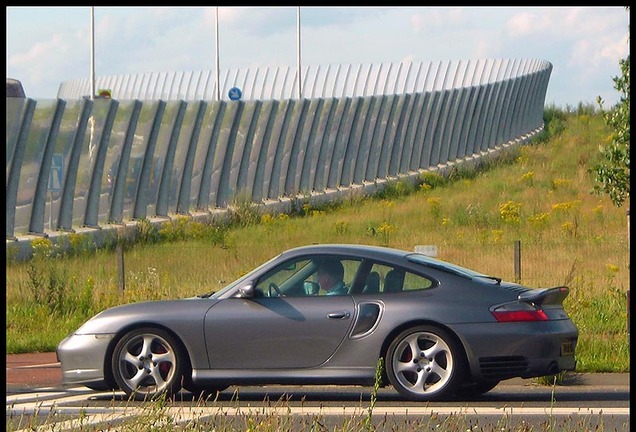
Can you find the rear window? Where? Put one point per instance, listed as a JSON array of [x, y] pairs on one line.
[[388, 279], [443, 265]]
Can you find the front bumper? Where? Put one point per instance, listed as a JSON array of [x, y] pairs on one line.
[[82, 358]]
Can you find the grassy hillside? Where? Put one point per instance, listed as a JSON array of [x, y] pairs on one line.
[[537, 195]]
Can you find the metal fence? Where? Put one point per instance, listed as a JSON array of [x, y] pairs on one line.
[[82, 164], [321, 81]]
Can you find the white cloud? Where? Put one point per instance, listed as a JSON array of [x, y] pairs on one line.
[[456, 15], [615, 49], [36, 52], [209, 16], [428, 20], [417, 23], [527, 24]]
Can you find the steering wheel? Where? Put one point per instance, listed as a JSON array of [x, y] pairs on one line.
[[274, 287]]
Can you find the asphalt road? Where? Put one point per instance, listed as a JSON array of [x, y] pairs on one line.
[[588, 400], [43, 370]]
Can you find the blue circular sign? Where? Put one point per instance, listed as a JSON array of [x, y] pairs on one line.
[[234, 93]]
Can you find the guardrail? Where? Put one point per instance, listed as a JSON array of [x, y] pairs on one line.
[[84, 165]]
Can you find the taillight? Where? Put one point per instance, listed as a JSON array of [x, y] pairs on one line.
[[515, 312]]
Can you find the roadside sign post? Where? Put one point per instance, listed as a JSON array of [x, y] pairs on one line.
[[428, 250], [104, 94], [234, 93]]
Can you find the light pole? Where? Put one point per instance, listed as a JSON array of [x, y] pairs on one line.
[[298, 51], [218, 70], [92, 71]]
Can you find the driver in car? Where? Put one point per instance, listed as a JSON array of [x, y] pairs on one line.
[[330, 277]]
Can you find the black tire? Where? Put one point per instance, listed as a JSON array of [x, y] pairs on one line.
[[433, 372], [148, 363]]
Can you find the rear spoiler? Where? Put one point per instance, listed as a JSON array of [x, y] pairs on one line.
[[545, 296]]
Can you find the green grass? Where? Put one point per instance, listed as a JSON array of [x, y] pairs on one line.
[[156, 417], [538, 194]]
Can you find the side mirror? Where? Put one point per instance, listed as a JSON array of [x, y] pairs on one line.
[[246, 291], [311, 288]]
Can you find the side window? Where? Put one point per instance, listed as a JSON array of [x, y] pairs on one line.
[[351, 269], [376, 279], [309, 276], [389, 279], [287, 279], [335, 275], [413, 282]]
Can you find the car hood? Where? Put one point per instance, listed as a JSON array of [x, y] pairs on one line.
[[159, 312]]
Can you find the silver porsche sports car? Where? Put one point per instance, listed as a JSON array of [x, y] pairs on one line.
[[327, 314]]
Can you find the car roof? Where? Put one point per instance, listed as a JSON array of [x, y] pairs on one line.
[[383, 252], [354, 249]]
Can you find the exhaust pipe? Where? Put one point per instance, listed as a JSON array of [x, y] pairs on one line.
[[553, 368]]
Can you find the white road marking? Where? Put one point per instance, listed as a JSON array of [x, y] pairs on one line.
[[42, 395], [56, 403], [30, 403], [38, 366]]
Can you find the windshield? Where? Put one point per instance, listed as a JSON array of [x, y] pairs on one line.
[[238, 281]]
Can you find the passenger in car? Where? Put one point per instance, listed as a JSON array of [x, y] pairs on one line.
[[394, 280], [372, 285]]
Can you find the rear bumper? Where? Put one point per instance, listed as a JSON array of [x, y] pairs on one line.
[[500, 351]]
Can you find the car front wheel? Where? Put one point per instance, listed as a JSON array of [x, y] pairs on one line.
[[147, 363], [424, 364]]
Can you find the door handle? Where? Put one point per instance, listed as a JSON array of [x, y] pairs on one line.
[[339, 315]]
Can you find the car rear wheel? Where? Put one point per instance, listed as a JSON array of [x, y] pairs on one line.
[[147, 363], [424, 363]]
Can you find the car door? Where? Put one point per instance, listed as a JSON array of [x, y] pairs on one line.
[[298, 328]]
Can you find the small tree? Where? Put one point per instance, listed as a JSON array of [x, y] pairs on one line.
[[612, 173]]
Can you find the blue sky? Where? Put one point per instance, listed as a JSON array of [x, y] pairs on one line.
[[49, 45]]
